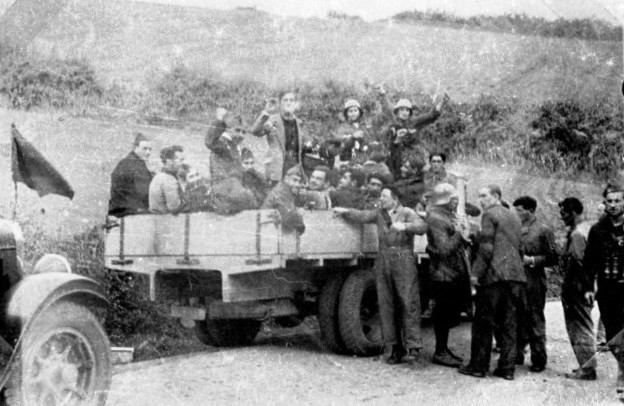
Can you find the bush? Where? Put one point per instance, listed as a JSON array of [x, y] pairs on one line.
[[52, 83], [586, 29], [579, 135]]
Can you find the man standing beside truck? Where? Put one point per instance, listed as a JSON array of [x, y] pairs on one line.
[[395, 273], [501, 280], [448, 270], [538, 241]]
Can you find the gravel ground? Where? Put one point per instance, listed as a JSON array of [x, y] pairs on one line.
[[289, 366]]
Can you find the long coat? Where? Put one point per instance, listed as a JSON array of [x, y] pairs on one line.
[[273, 128], [130, 183], [446, 247], [499, 257]]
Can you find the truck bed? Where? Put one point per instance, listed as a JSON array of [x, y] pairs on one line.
[[246, 242]]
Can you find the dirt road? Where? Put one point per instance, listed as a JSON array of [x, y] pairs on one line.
[[290, 367]]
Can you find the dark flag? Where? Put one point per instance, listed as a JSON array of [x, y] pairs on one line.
[[33, 170]]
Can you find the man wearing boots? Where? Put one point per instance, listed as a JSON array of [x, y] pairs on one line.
[[500, 280], [448, 270], [395, 271]]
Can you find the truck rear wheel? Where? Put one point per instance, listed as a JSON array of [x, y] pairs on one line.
[[358, 314], [227, 333], [329, 301], [64, 360]]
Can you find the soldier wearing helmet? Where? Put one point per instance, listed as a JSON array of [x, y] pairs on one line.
[[350, 141], [403, 133]]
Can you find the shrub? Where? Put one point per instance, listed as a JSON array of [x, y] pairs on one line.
[[53, 83], [578, 135], [586, 29]]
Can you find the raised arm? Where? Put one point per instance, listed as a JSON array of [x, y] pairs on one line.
[[414, 224], [259, 127], [212, 142]]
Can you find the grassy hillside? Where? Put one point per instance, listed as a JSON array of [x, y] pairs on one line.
[[135, 43]]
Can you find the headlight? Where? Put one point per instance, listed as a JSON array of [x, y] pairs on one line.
[[52, 263]]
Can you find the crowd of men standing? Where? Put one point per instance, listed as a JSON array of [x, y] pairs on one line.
[[386, 178]]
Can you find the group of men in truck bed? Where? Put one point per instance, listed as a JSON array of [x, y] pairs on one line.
[[386, 178]]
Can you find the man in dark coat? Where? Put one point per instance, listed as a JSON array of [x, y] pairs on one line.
[[500, 279], [226, 168], [130, 180], [448, 270], [540, 252], [604, 261], [395, 272], [576, 307]]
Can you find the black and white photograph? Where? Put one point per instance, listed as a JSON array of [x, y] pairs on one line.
[[334, 202]]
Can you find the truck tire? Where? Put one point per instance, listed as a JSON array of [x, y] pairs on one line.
[[358, 314], [64, 359], [227, 333], [329, 301]]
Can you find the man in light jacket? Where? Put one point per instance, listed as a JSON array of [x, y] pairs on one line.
[[284, 133]]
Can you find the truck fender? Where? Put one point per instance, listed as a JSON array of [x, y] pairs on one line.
[[35, 293]]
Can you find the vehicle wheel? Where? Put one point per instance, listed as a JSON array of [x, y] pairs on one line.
[[358, 314], [328, 314], [64, 360], [226, 333]]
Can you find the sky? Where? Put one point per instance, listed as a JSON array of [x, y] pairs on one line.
[[609, 10]]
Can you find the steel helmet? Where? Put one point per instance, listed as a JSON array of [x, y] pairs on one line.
[[403, 103], [351, 103]]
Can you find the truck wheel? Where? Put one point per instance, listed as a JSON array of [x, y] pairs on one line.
[[64, 360], [358, 314], [328, 313], [226, 333]]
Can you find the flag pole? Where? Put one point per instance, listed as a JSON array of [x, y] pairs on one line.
[[14, 214], [14, 201]]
